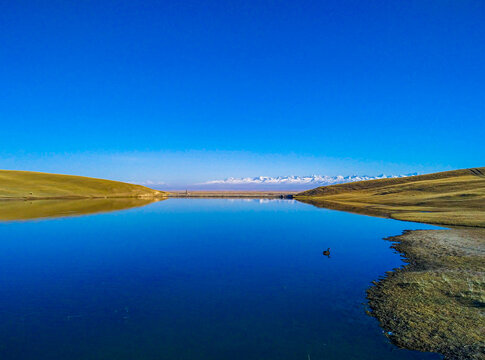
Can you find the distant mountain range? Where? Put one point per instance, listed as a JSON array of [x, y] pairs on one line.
[[292, 182]]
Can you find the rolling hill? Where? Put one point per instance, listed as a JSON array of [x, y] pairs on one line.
[[37, 185], [448, 198]]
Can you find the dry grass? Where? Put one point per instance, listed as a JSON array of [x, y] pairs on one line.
[[36, 185], [447, 198], [437, 302]]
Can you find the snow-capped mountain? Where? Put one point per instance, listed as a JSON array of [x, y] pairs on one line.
[[268, 183], [287, 182], [314, 180]]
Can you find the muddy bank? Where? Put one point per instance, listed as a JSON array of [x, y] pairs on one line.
[[436, 302]]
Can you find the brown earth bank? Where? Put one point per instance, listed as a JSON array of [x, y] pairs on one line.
[[436, 302]]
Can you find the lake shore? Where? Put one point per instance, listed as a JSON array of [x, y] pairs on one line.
[[451, 198], [436, 302], [233, 194]]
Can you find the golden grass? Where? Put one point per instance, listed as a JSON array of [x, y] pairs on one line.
[[448, 198], [36, 185]]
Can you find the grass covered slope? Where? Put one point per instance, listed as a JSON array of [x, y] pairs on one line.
[[36, 185], [449, 198]]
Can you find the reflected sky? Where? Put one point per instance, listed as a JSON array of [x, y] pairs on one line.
[[196, 279]]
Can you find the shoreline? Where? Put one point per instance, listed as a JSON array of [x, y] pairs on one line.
[[164, 195], [450, 198], [83, 197], [417, 215], [233, 194], [442, 216], [436, 302]]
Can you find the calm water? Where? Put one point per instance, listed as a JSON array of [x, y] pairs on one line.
[[196, 279]]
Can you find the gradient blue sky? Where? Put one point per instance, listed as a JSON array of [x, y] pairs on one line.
[[182, 92]]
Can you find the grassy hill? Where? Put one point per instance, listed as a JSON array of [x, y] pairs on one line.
[[36, 185], [448, 198]]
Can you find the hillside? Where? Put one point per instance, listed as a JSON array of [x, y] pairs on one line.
[[36, 185], [448, 198]]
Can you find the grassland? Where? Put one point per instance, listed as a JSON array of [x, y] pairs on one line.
[[447, 198], [36, 185]]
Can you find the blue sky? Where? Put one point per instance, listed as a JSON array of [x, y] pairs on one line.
[[182, 92]]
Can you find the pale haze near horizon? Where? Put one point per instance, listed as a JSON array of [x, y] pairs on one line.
[[177, 170]]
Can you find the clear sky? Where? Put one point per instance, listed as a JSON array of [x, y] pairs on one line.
[[187, 91]]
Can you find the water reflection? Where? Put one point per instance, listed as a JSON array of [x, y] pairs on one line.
[[204, 279], [262, 200], [361, 210], [36, 209]]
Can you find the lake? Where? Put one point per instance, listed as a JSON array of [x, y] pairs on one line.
[[196, 279]]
